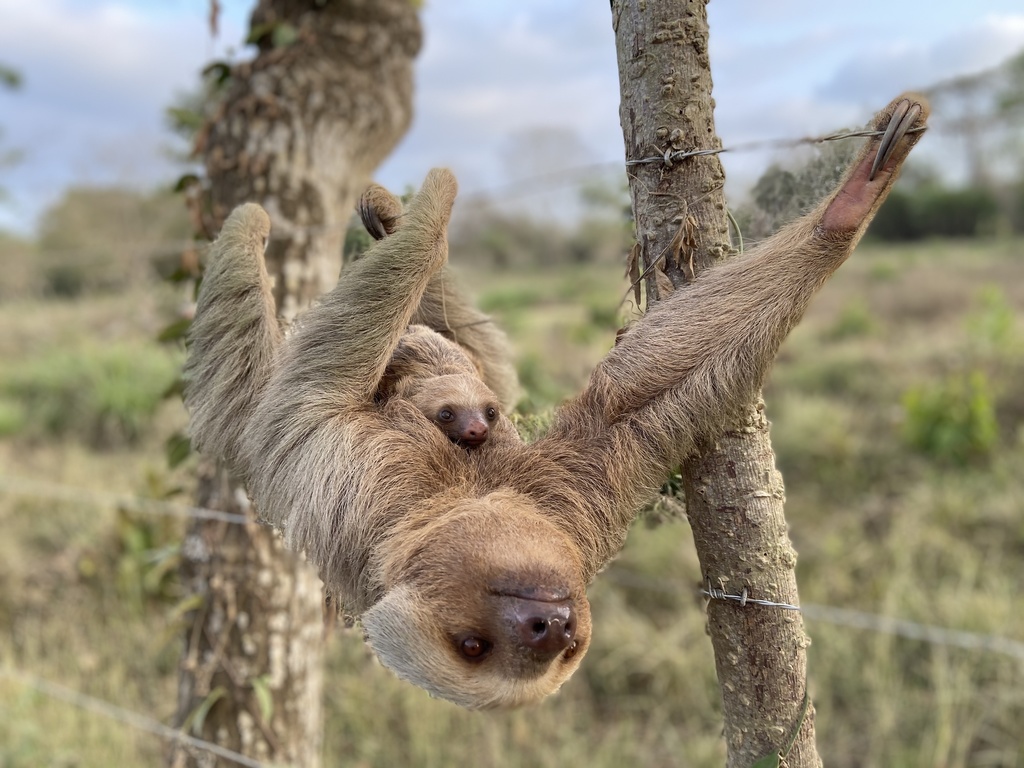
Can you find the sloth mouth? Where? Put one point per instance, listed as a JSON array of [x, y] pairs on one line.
[[537, 594]]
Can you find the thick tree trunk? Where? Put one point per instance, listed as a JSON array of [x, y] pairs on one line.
[[734, 495], [300, 130]]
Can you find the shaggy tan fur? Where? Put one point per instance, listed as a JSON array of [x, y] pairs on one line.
[[448, 553]]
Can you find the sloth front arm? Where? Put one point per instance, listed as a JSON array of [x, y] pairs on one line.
[[336, 356], [679, 375]]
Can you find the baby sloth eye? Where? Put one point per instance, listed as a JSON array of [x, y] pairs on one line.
[[491, 414], [474, 648], [445, 415], [571, 650]]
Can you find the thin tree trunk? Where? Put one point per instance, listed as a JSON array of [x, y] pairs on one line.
[[300, 130], [734, 494]]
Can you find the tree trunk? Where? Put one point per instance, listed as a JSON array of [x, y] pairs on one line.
[[300, 129], [734, 494]]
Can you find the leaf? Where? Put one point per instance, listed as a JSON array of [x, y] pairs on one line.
[[768, 761], [185, 118], [264, 698], [190, 603], [218, 72], [178, 448], [9, 77], [175, 331], [197, 717], [180, 275], [258, 32], [283, 35], [185, 181], [175, 389]]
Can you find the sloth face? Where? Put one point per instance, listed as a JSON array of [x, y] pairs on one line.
[[459, 404], [488, 609]]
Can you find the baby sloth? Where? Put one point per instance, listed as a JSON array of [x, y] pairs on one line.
[[443, 383]]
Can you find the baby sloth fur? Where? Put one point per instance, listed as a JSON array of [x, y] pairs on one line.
[[438, 378], [470, 568]]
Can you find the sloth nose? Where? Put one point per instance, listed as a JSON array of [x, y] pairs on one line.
[[475, 433], [547, 628]]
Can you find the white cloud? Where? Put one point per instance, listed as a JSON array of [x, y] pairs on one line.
[[99, 74], [908, 64], [97, 79]]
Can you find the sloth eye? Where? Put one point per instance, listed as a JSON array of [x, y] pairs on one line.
[[492, 414], [445, 415], [474, 648]]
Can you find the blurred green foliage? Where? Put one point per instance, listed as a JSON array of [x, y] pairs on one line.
[[105, 396], [88, 591], [934, 211], [953, 420]]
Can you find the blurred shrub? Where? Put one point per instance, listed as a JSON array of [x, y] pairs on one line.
[[604, 316], [12, 418], [19, 276], [512, 297], [148, 554], [1017, 207], [952, 420], [854, 321], [104, 396], [990, 325], [541, 391], [99, 240], [934, 211]]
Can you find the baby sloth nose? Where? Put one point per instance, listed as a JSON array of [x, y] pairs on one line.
[[474, 433], [548, 628]]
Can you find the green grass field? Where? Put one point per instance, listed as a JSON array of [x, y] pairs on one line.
[[898, 420]]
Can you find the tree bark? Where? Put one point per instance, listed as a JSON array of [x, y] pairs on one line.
[[300, 129], [734, 494]]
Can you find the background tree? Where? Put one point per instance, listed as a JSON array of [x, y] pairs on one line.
[[299, 129], [734, 494], [10, 80]]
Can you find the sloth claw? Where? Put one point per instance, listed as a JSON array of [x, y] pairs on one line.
[[371, 219], [902, 120]]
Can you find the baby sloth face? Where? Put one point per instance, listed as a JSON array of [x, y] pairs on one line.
[[459, 404]]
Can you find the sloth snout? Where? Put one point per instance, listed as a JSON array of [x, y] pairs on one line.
[[547, 628], [474, 433]]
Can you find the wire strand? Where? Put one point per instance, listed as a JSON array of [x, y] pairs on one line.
[[670, 157], [133, 719], [15, 486], [830, 614], [846, 617]]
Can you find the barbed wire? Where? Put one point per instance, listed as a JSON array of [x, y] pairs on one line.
[[134, 719], [847, 617], [830, 614], [45, 490], [957, 638], [517, 188], [744, 599], [671, 156]]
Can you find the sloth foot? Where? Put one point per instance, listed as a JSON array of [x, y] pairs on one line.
[[901, 124]]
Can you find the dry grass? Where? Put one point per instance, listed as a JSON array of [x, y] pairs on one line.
[[879, 528]]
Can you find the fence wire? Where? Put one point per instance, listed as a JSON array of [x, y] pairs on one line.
[[517, 188], [121, 715], [873, 622]]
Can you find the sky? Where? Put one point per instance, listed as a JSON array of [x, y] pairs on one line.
[[493, 76]]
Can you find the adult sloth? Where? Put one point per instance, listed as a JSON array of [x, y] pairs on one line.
[[469, 568]]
